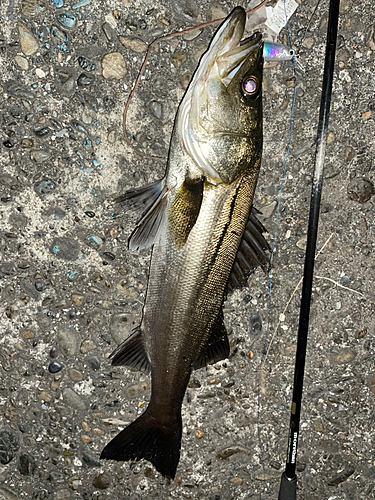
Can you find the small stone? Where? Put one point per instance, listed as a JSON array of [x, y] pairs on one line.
[[267, 210], [114, 421], [44, 396], [86, 426], [134, 44], [185, 80], [251, 354], [156, 109], [93, 362], [191, 35], [55, 367], [291, 350], [186, 9], [95, 242], [85, 80], [331, 138], [226, 453], [102, 481], [302, 242], [39, 156], [86, 439], [65, 248], [22, 62], [65, 79], [237, 480], [72, 399], [55, 385], [372, 39], [26, 464], [268, 475], [366, 115], [89, 458], [114, 66], [87, 345], [42, 132], [218, 12], [86, 64], [345, 355], [44, 186], [120, 326], [360, 189], [68, 339], [341, 476], [77, 299], [308, 43], [199, 434], [255, 324], [9, 444], [67, 20], [26, 333], [27, 143], [29, 45], [62, 494], [31, 7], [75, 375], [40, 73], [178, 59]]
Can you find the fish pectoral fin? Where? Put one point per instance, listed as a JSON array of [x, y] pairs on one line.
[[252, 252], [217, 346], [132, 353], [185, 209], [151, 201]]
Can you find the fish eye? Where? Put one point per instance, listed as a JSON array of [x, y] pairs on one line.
[[250, 86]]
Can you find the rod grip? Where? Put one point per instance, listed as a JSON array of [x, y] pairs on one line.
[[288, 488]]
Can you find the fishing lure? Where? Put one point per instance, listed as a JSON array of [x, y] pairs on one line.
[[273, 51]]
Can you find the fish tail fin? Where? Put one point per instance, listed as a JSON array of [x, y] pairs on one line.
[[145, 438]]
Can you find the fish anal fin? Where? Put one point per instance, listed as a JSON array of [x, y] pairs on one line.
[[185, 209], [252, 252], [217, 346], [132, 353], [151, 202]]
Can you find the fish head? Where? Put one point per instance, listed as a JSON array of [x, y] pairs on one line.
[[220, 116]]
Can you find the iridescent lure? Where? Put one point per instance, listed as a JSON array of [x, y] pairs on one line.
[[273, 51]]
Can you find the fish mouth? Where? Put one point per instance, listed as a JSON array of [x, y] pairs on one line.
[[227, 51]]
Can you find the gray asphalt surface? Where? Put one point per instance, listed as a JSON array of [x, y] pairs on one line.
[[71, 290]]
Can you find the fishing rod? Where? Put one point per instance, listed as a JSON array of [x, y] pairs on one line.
[[288, 485]]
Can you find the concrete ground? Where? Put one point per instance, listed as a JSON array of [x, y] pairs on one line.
[[71, 290]]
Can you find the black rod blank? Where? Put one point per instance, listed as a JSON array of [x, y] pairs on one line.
[[288, 487]]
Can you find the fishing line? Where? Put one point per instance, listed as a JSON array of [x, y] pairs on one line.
[[273, 246]]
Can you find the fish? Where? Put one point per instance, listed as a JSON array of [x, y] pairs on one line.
[[205, 238]]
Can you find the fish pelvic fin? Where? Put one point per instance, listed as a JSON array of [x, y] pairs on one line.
[[132, 353], [144, 438], [151, 202], [217, 346], [253, 252]]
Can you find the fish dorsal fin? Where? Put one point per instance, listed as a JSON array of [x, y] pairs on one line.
[[132, 353], [217, 346], [251, 253], [151, 201]]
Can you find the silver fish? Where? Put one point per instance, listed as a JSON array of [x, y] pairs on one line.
[[205, 236]]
